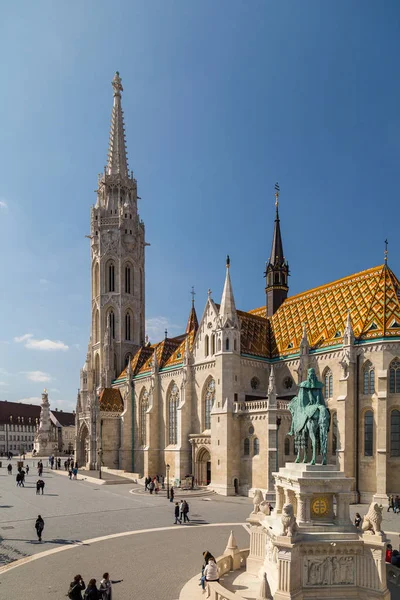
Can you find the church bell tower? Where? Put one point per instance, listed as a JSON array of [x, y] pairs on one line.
[[277, 268], [117, 259]]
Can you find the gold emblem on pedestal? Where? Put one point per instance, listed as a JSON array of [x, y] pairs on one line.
[[320, 507]]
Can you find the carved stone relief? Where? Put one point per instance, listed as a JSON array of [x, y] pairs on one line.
[[332, 570]]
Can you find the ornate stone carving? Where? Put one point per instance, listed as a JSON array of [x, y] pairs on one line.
[[373, 519], [288, 519], [332, 570], [257, 499]]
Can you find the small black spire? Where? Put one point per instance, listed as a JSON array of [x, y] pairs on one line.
[[277, 268]]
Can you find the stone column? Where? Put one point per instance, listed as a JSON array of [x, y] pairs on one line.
[[279, 499], [301, 507], [342, 507], [381, 417]]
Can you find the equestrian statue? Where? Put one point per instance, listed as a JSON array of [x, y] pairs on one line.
[[310, 419]]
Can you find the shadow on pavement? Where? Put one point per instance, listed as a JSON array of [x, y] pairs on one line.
[[53, 541]]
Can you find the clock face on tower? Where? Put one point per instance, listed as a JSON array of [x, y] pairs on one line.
[[320, 507]]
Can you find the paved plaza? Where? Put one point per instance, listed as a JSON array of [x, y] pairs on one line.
[[91, 528]]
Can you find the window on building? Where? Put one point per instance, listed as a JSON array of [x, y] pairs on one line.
[[173, 402], [144, 405], [256, 446], [328, 380], [395, 433], [127, 279], [111, 323], [368, 378], [206, 345], [394, 376], [208, 403], [227, 344], [287, 446], [246, 447], [96, 280], [369, 433], [111, 277], [334, 433], [213, 344], [128, 326]]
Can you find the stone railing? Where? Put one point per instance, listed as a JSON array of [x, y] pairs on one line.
[[225, 563], [251, 406], [282, 404]]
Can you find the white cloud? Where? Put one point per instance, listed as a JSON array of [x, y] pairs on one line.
[[43, 281], [32, 344], [3, 383], [31, 400], [3, 204], [37, 376], [156, 326]]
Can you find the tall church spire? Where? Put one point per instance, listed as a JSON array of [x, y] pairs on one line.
[[227, 310], [277, 268], [117, 163]]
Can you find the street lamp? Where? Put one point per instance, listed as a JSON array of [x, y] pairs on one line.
[[167, 468]]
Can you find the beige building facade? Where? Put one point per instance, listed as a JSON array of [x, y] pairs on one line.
[[213, 402]]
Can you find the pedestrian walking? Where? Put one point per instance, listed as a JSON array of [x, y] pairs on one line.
[[171, 494], [27, 469], [70, 473], [177, 519], [151, 487], [92, 593], [185, 512], [65, 465], [396, 507], [9, 469], [59, 463], [181, 510], [75, 472], [75, 588], [106, 586], [40, 486], [39, 526]]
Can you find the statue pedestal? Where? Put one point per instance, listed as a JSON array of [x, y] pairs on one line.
[[310, 547]]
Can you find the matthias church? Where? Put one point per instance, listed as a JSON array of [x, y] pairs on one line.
[[213, 401]]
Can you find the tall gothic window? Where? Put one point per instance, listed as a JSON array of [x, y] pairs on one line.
[[209, 402], [97, 370], [287, 446], [213, 344], [111, 323], [227, 344], [394, 376], [111, 277], [395, 433], [206, 345], [128, 326], [96, 326], [173, 402], [144, 405], [128, 279], [328, 379], [368, 378], [369, 433], [246, 447], [256, 446], [96, 280]]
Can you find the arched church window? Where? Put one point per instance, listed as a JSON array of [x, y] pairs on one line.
[[173, 414], [96, 280], [368, 433], [394, 376], [213, 344], [256, 446], [395, 433], [334, 433], [276, 277], [368, 378], [208, 403], [128, 326], [111, 277], [111, 323], [144, 405], [219, 345], [141, 284], [128, 279], [96, 320], [287, 446], [234, 345], [227, 344], [246, 447], [206, 345], [328, 380], [97, 370]]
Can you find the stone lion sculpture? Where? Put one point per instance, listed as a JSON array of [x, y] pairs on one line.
[[257, 499], [289, 523], [373, 519]]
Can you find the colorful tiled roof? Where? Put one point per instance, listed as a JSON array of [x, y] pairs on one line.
[[372, 297], [253, 334], [111, 400]]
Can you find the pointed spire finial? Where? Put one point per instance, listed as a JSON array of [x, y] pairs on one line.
[[386, 251], [193, 293], [228, 261], [209, 292], [277, 190], [117, 163], [166, 333], [117, 84]]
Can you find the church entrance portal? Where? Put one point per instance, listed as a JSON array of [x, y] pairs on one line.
[[203, 467], [83, 447]]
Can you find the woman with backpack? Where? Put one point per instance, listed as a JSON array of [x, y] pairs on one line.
[[75, 588]]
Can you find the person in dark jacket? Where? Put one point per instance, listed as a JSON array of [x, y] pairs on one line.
[[171, 494], [177, 519], [185, 512], [106, 586], [39, 526], [40, 486], [92, 593], [75, 588]]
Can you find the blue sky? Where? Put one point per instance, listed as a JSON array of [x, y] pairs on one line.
[[221, 99]]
